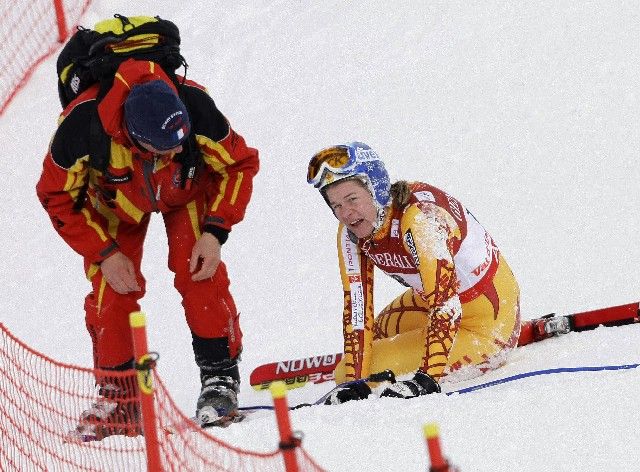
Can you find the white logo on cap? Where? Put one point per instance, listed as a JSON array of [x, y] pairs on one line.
[[170, 117]]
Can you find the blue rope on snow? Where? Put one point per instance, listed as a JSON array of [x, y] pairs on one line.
[[535, 373], [493, 383]]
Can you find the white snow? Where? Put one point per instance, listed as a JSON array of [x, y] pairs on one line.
[[528, 112]]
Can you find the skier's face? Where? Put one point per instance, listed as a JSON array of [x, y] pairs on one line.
[[353, 205]]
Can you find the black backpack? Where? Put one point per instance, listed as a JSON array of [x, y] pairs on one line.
[[93, 56]]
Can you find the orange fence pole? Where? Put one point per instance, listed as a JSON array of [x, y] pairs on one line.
[[144, 366], [438, 462], [62, 22], [288, 441]]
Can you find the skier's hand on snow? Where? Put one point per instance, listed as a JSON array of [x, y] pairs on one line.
[[119, 273], [206, 249], [356, 391], [421, 384]]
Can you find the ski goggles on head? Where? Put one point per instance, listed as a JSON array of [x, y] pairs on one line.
[[335, 160]]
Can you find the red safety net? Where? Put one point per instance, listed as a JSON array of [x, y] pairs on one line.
[[29, 34], [42, 400]]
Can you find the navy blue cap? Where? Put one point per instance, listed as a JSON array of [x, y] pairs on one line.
[[155, 115]]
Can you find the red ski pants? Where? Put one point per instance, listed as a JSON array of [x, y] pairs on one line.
[[208, 305]]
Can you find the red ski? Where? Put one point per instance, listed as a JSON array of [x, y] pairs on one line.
[[555, 325], [317, 369], [296, 372]]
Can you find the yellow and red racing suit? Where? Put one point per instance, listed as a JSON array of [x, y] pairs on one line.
[[120, 200], [461, 311]]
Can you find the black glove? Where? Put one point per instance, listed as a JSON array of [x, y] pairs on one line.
[[355, 391], [421, 384]]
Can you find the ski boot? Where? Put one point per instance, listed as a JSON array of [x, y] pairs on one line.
[[218, 401], [220, 379], [545, 327], [113, 413]]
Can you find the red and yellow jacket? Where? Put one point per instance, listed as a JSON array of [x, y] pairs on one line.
[[433, 245], [135, 182]]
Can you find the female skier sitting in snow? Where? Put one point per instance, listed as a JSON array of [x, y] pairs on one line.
[[459, 317]]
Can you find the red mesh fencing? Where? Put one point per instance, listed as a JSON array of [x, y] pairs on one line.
[[189, 448], [29, 33], [42, 400]]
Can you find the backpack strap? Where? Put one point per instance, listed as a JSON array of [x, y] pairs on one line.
[[190, 154], [99, 154], [188, 158], [99, 144]]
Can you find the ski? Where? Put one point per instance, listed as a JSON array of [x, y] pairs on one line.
[[318, 369], [296, 372], [555, 325]]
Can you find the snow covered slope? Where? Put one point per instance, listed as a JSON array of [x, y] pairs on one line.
[[527, 112]]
